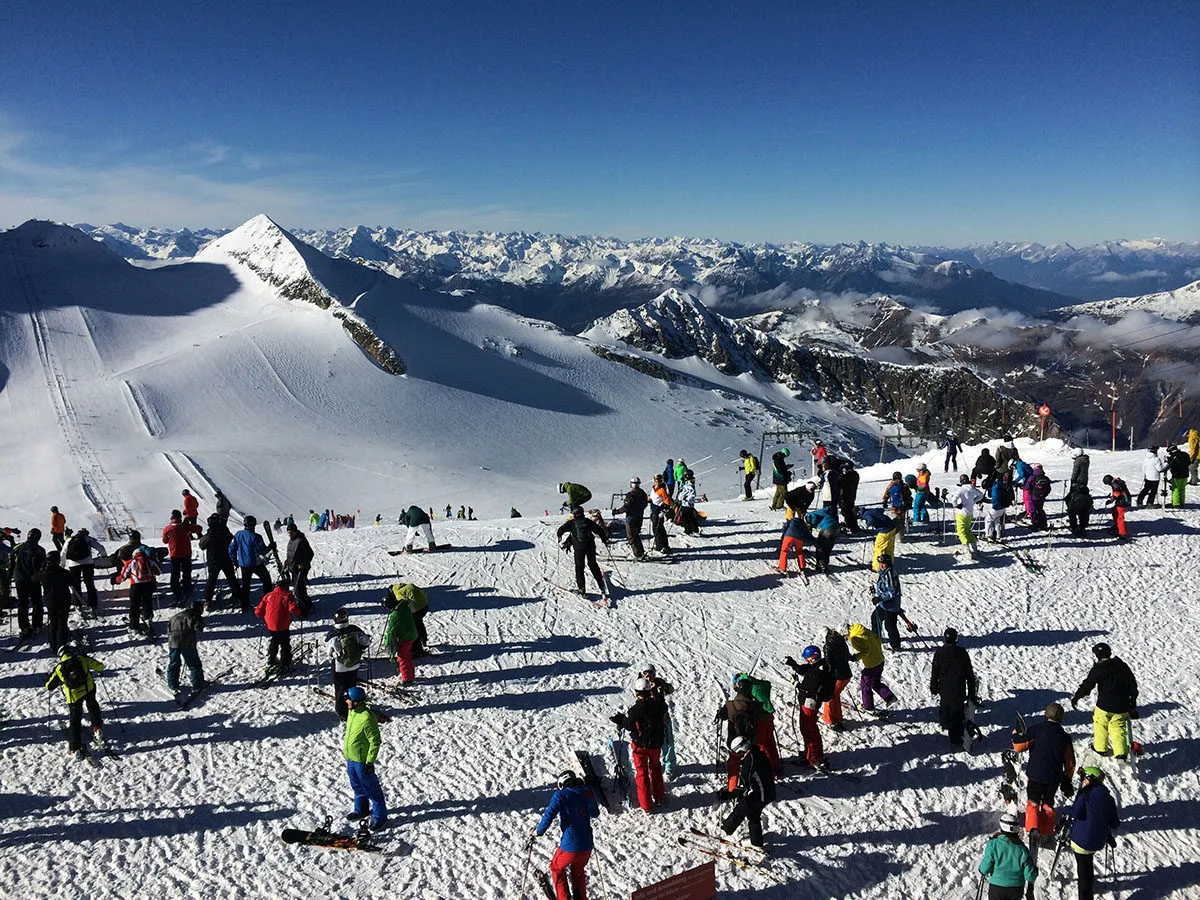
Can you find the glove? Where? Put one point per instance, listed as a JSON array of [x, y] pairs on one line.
[[1111, 841], [810, 703], [791, 662], [617, 719], [725, 794], [1074, 703], [1134, 714], [1068, 789]]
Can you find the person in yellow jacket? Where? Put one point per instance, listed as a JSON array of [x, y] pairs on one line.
[[1193, 443], [74, 674], [418, 602], [867, 649], [750, 469], [361, 749]]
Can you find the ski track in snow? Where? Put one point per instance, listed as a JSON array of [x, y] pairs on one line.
[[526, 673]]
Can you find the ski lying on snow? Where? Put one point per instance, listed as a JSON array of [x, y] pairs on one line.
[[543, 880], [720, 852], [435, 547], [724, 841]]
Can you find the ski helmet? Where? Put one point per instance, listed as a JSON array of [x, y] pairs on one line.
[[1102, 650], [1010, 823], [186, 492], [739, 745], [176, 515], [885, 558], [68, 649], [284, 581], [786, 452], [964, 479], [642, 686], [249, 522], [811, 652], [910, 480], [897, 476], [135, 536], [567, 779], [950, 635], [811, 485], [1093, 773], [356, 694], [1107, 479], [1055, 712], [55, 508], [921, 467], [635, 481], [649, 669], [342, 616]]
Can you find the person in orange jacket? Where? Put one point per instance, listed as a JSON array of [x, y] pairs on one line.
[[276, 610], [660, 503], [58, 528]]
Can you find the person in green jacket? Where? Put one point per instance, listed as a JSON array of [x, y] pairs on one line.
[[1006, 861], [74, 674], [760, 690], [361, 748], [577, 494], [418, 602], [401, 630]]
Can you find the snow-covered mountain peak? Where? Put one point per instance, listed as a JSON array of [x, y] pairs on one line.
[[44, 235]]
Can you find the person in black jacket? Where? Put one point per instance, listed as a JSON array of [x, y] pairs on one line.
[[781, 475], [837, 654], [952, 681], [296, 564], [583, 532], [1051, 766], [984, 470], [755, 789], [1116, 701], [646, 723], [30, 559], [1080, 464], [814, 686], [56, 589], [634, 508], [848, 496], [215, 544], [1079, 508]]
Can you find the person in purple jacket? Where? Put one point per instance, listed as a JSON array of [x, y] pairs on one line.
[[575, 806]]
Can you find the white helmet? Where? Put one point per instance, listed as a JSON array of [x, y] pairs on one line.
[[642, 685], [739, 744]]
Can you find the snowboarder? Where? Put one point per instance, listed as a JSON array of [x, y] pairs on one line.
[[1095, 817], [28, 561], [296, 565], [580, 533], [795, 533], [1000, 498], [646, 722], [575, 807], [824, 522], [248, 550], [178, 538], [1007, 862], [1050, 767], [183, 632], [81, 564], [400, 632], [837, 654], [814, 686], [415, 518], [74, 674], [781, 475], [58, 528], [965, 499], [1119, 499], [886, 599], [885, 527], [361, 749], [191, 508], [1152, 471], [1079, 508], [56, 589], [1116, 701], [215, 544], [224, 508], [662, 689], [952, 681], [349, 643], [868, 652], [754, 789], [142, 570], [951, 445], [660, 503], [849, 494], [634, 509], [276, 610], [577, 495], [748, 468]]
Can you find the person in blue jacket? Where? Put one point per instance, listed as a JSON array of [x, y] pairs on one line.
[[1095, 814], [575, 807], [824, 522], [795, 535], [248, 550], [886, 596]]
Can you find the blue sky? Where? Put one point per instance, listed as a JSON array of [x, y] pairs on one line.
[[905, 122]]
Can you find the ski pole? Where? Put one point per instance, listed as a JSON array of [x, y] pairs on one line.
[[528, 862], [600, 872], [982, 883]]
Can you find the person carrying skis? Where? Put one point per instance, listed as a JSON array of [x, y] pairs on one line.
[[749, 468], [399, 633], [215, 544], [1038, 486], [1177, 468], [1120, 501], [415, 518], [965, 499], [28, 561], [248, 550], [1095, 818], [1050, 767], [1000, 498], [1007, 862], [983, 472], [580, 533], [951, 445], [754, 789], [183, 632], [824, 522], [1152, 471], [1116, 701], [81, 564], [884, 527], [191, 508], [646, 723], [662, 689], [781, 475], [634, 509], [178, 538], [886, 599], [58, 528], [848, 496], [814, 686], [952, 681], [1079, 508], [142, 570], [575, 806], [348, 643], [795, 533], [296, 565], [577, 495], [867, 650], [361, 749], [837, 656], [56, 589], [276, 610], [74, 674]]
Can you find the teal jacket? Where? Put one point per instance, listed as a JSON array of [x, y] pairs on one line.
[[1007, 862]]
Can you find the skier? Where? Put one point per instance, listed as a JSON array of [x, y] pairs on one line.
[[660, 503], [921, 494], [323, 521], [837, 655], [178, 538], [248, 550], [1152, 471], [224, 508], [668, 477], [276, 610], [400, 633], [764, 734], [462, 513], [795, 534], [1006, 454], [1039, 486], [818, 452], [58, 528], [1080, 463], [191, 508], [966, 498], [952, 681], [470, 514], [575, 807], [831, 483], [634, 510], [417, 601], [1051, 766], [849, 494], [781, 474], [183, 632], [680, 470], [81, 564], [449, 510], [1192, 436], [74, 673], [577, 495], [1120, 501], [754, 789], [28, 561], [748, 467], [824, 521], [886, 599], [662, 689], [743, 715], [688, 519], [349, 643], [1177, 468], [215, 544], [814, 686], [580, 533], [56, 589], [416, 518], [885, 527], [798, 500], [313, 518], [951, 445], [984, 470], [1000, 498], [1007, 862], [646, 722], [1079, 508], [296, 565], [898, 498], [361, 749], [1095, 817], [868, 652], [1116, 702], [142, 571]]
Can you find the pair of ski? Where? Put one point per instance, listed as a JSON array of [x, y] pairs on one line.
[[184, 698], [745, 855], [1024, 557], [605, 601]]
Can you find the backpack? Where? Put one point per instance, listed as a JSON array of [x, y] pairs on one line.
[[906, 497], [72, 673], [757, 464], [1007, 496], [349, 649], [77, 549]]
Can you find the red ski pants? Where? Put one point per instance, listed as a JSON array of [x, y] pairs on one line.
[[647, 771], [404, 661], [560, 863], [814, 751], [788, 544], [833, 708], [764, 736]]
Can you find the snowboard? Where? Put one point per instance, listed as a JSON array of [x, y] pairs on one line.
[[403, 552], [324, 837]]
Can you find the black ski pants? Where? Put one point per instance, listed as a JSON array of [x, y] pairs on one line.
[[749, 490], [141, 603], [882, 620], [29, 597], [1078, 522], [952, 715], [85, 575], [75, 718], [1085, 865], [999, 892], [58, 629], [689, 520], [342, 682], [823, 545], [658, 528], [1040, 793], [746, 809], [300, 585], [587, 555], [279, 648], [633, 536], [1148, 492], [214, 570], [181, 577], [248, 573], [418, 647]]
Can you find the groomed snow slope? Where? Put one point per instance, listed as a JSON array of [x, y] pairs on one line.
[[525, 673]]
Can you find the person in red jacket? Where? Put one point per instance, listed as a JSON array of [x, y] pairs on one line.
[[141, 570], [276, 610], [178, 538], [1119, 501], [191, 508]]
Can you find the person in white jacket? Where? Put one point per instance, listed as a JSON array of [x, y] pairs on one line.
[[1152, 470], [965, 498], [81, 553]]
